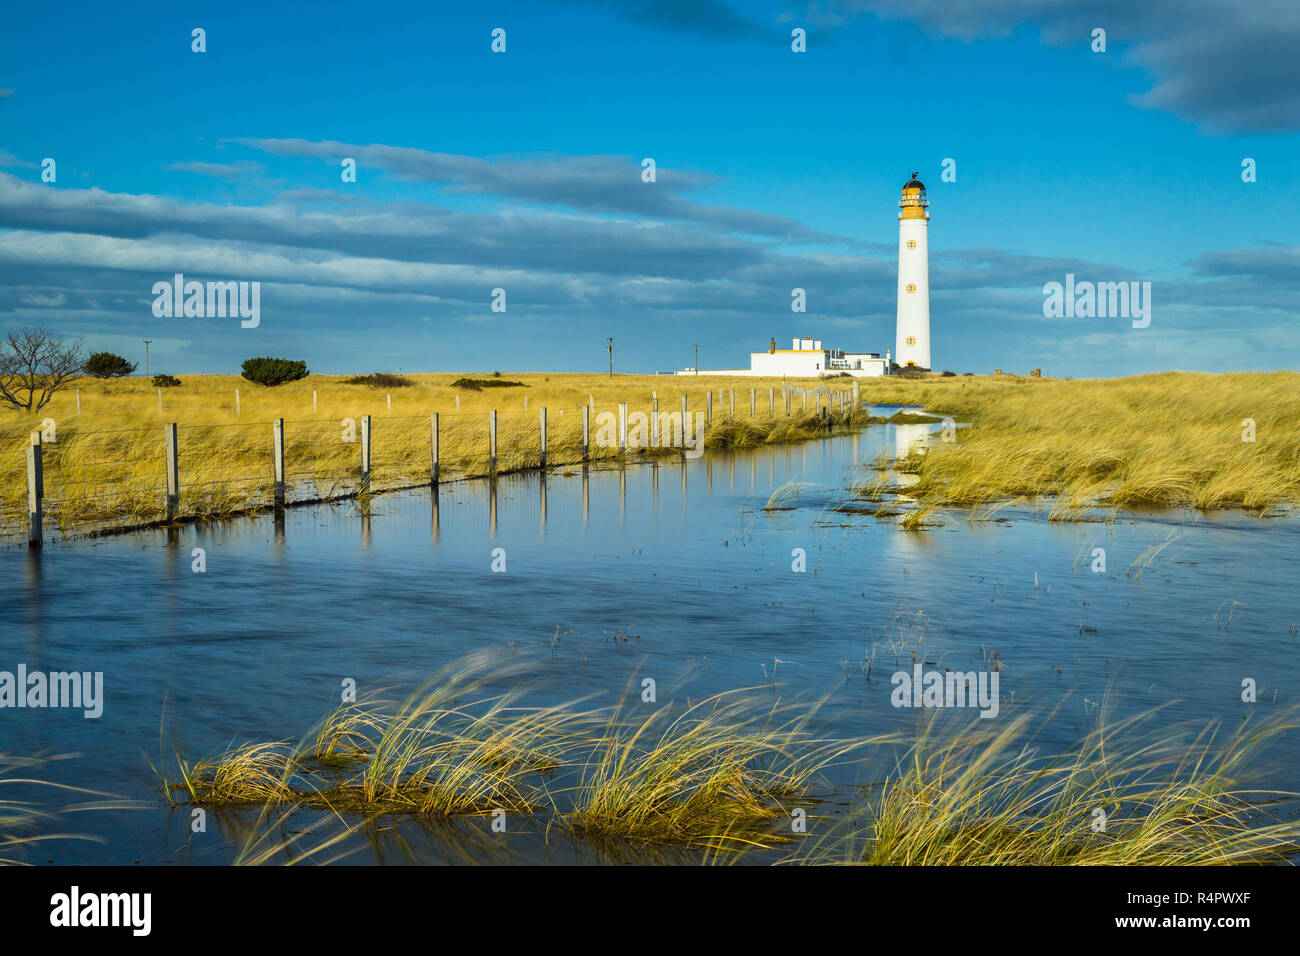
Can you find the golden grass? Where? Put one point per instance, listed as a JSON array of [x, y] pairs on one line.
[[989, 797], [722, 776], [1173, 439], [107, 464], [712, 775]]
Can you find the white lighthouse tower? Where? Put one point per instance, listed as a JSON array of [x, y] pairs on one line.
[[912, 347]]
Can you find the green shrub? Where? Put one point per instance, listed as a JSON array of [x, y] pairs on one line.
[[165, 381], [273, 371], [475, 384], [108, 365], [380, 380]]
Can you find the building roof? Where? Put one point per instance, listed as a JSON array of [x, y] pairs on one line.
[[914, 183]]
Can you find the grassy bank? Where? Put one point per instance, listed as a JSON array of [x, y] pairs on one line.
[[1174, 439], [726, 775], [106, 463]]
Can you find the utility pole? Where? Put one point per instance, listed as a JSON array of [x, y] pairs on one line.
[[146, 357], [697, 360], [610, 349]]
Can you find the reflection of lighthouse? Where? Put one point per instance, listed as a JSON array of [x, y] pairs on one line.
[[913, 344]]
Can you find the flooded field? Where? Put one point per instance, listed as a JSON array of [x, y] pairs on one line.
[[745, 569]]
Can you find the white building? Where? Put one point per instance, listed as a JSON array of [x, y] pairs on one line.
[[804, 359], [913, 332]]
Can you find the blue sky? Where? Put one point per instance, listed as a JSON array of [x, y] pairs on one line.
[[776, 170]]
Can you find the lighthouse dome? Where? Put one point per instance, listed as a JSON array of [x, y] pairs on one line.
[[914, 183]]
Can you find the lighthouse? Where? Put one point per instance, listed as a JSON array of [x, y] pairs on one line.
[[912, 348]]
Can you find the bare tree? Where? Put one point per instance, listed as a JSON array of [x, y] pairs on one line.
[[34, 364]]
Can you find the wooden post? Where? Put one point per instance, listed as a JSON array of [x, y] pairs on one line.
[[277, 428], [654, 421], [771, 401], [78, 401], [236, 401], [525, 403], [708, 411], [622, 426], [543, 436], [390, 402], [457, 403], [586, 431], [434, 459], [492, 441], [752, 393], [35, 490], [732, 413], [173, 471], [313, 399], [685, 424], [160, 400], [787, 402], [365, 453]]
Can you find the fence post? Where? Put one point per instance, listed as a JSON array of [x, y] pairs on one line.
[[654, 421], [236, 401], [277, 428], [787, 402], [35, 490], [622, 426], [752, 394], [313, 400], [771, 402], [543, 436], [586, 431], [173, 471], [708, 411], [434, 460], [365, 453], [732, 413], [492, 441], [78, 401], [856, 395], [160, 400]]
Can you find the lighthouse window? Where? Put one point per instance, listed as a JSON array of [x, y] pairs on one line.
[[911, 340], [911, 287], [911, 243]]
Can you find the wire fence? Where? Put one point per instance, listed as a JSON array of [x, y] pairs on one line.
[[87, 482]]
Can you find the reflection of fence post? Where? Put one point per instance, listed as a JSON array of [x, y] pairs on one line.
[[173, 471], [35, 490], [492, 441], [278, 429], [433, 447], [622, 426], [586, 431], [654, 422], [365, 452], [543, 436]]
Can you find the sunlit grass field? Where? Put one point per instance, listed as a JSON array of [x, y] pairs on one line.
[[1173, 439], [107, 462], [1170, 440]]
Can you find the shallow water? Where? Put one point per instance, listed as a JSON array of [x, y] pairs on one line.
[[669, 570]]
